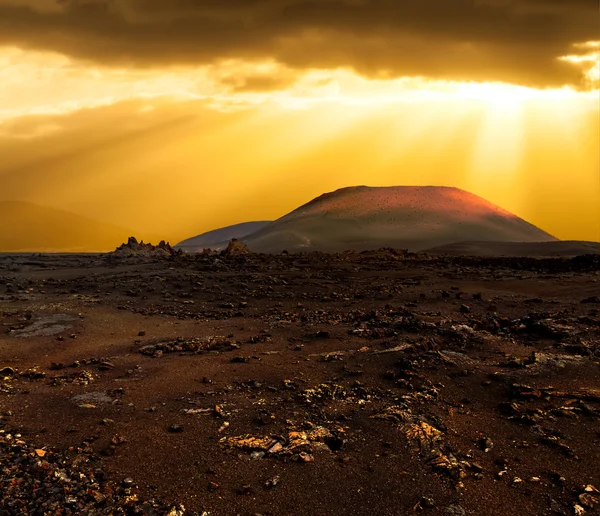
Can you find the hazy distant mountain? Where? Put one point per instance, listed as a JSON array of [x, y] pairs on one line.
[[28, 227], [219, 238], [563, 248], [410, 217]]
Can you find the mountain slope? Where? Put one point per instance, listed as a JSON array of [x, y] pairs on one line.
[[412, 217], [27, 227], [219, 238]]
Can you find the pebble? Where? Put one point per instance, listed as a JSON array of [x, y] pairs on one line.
[[273, 481]]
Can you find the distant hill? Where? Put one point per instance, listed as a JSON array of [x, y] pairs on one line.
[[565, 248], [410, 217], [218, 239], [27, 227]]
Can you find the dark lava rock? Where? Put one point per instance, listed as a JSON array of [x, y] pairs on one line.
[[128, 482], [236, 248], [136, 251]]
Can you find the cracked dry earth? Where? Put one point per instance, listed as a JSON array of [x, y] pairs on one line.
[[352, 384]]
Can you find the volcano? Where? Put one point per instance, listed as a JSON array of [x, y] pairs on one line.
[[409, 217]]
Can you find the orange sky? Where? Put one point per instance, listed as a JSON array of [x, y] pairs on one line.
[[174, 146]]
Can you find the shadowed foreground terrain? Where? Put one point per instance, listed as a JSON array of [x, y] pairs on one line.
[[349, 384]]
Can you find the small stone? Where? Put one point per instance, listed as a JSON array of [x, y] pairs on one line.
[[245, 489], [424, 503], [272, 482], [464, 309], [128, 482], [477, 468], [590, 498], [98, 496], [256, 455], [276, 448], [177, 511], [306, 457], [175, 429], [486, 444]]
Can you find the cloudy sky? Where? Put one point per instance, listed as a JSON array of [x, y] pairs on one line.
[[175, 117]]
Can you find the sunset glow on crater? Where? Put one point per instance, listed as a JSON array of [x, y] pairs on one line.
[[520, 129]]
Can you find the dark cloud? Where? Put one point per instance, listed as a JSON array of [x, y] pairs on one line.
[[515, 41], [256, 83]]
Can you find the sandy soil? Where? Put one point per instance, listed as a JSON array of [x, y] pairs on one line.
[[354, 384]]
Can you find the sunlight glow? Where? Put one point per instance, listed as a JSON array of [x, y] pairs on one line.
[[35, 83], [171, 135], [589, 62], [498, 148]]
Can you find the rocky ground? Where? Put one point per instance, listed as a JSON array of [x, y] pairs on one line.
[[376, 384]]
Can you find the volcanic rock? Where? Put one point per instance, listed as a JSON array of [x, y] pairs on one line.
[[236, 248], [139, 251]]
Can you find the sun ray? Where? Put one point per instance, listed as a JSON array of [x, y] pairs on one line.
[[305, 127]]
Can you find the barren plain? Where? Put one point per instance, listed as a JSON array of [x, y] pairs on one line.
[[374, 383]]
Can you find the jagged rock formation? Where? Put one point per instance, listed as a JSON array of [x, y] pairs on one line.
[[139, 251]]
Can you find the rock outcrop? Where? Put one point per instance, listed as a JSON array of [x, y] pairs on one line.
[[236, 248], [139, 251]]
